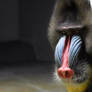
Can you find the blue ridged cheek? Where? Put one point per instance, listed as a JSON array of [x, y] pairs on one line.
[[74, 50], [59, 50]]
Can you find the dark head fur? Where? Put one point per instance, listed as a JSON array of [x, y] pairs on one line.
[[78, 12]]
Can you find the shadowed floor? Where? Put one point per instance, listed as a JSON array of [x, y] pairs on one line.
[[21, 72], [28, 78]]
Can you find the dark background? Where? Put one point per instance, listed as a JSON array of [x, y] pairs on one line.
[[23, 31]]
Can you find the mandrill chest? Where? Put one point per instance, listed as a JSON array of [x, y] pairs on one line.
[[72, 65]]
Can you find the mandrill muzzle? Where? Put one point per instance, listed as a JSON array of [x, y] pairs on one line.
[[66, 54]]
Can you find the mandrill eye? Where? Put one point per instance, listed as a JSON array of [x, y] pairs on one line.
[[59, 50], [61, 32]]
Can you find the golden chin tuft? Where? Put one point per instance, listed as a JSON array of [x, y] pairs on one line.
[[77, 87], [81, 87]]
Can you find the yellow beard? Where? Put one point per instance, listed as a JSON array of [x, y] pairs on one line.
[[77, 87]]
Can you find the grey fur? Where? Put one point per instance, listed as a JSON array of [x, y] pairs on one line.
[[84, 17]]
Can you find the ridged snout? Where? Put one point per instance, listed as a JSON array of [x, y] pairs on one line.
[[75, 45]]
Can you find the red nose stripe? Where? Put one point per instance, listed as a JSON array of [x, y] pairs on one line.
[[65, 58]]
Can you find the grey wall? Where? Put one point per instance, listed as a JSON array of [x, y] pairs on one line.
[[27, 20], [35, 19], [9, 22]]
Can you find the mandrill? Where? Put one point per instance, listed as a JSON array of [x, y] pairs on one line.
[[70, 36]]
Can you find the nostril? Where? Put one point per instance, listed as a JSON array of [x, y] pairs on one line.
[[68, 74], [65, 73]]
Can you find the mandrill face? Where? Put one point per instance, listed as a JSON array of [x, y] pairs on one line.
[[70, 35], [71, 59]]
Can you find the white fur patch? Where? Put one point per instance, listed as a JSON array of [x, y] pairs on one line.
[[90, 3]]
